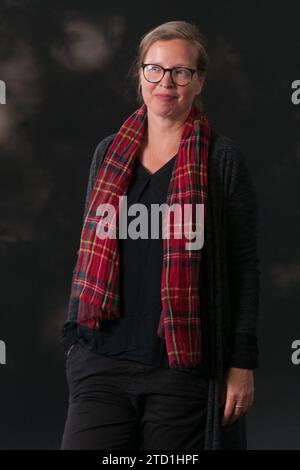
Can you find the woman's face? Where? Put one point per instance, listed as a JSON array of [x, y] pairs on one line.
[[168, 54]]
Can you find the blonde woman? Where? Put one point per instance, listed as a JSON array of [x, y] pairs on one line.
[[161, 338]]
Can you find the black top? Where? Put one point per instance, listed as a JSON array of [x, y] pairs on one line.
[[133, 336]]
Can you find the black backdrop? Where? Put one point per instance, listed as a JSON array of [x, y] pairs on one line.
[[65, 64]]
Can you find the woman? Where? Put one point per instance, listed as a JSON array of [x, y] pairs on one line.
[[161, 339]]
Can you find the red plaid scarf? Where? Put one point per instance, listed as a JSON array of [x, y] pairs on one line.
[[96, 282]]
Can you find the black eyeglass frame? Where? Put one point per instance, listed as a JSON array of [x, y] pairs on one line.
[[143, 65]]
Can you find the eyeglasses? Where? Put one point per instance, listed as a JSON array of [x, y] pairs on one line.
[[181, 76]]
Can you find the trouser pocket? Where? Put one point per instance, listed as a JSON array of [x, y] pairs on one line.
[[71, 351]]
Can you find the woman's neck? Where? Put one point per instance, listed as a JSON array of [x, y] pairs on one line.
[[163, 132]]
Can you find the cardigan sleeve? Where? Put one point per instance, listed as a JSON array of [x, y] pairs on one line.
[[243, 263], [69, 333]]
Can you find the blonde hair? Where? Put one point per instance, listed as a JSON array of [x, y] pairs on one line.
[[167, 31]]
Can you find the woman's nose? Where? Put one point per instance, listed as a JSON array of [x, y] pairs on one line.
[[167, 79]]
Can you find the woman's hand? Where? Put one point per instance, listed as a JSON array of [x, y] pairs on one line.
[[238, 389]]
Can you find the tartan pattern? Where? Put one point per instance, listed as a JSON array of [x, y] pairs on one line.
[[96, 280]]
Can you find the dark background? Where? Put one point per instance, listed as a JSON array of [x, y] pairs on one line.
[[65, 65]]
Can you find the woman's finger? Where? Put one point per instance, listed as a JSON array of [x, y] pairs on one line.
[[228, 411]]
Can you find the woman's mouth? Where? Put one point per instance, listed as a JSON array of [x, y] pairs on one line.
[[165, 97]]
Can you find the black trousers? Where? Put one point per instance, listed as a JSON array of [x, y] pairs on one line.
[[122, 404]]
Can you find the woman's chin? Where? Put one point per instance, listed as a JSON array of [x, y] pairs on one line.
[[164, 109]]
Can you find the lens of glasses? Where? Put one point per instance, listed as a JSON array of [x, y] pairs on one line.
[[180, 76]]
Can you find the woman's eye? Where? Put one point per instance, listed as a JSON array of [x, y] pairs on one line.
[[153, 68], [182, 72]]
